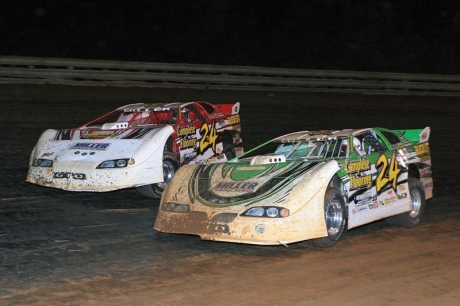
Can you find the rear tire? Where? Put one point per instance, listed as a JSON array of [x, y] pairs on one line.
[[229, 151], [413, 217], [170, 167], [334, 213]]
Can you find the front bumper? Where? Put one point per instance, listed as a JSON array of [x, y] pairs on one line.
[[98, 180], [231, 227]]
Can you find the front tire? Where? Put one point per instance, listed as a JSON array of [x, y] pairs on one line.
[[413, 217], [170, 167], [335, 216]]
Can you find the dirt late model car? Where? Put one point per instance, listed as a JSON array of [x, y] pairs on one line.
[[307, 188], [137, 145]]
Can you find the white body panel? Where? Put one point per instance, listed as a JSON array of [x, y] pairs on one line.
[[75, 161]]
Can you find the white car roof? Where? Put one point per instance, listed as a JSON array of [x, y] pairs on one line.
[[324, 134]]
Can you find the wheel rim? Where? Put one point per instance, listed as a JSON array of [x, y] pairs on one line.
[[334, 218], [416, 203], [168, 173]]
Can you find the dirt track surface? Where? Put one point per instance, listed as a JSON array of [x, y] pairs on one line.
[[62, 248]]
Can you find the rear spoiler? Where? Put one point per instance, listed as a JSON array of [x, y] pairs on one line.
[[415, 135], [230, 109], [424, 135]]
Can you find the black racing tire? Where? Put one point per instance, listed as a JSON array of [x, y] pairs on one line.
[[229, 151], [413, 217], [335, 216], [170, 167]]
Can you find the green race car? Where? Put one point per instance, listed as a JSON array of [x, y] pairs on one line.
[[303, 186]]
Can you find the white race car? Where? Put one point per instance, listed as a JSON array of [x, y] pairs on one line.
[[137, 145]]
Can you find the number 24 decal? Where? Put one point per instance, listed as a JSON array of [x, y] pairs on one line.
[[209, 137], [389, 173]]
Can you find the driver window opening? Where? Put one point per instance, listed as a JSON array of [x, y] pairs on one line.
[[301, 150], [367, 143], [331, 148]]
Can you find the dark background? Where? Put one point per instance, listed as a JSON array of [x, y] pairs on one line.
[[405, 36]]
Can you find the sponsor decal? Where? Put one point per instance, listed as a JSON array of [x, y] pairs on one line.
[[187, 137], [189, 156], [47, 154], [97, 134], [354, 169], [234, 120], [187, 143], [401, 196], [236, 187], [363, 198], [90, 146], [357, 182], [186, 131], [424, 136], [67, 175], [361, 165], [422, 148]]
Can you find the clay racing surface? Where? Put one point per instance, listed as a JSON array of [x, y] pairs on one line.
[[64, 248]]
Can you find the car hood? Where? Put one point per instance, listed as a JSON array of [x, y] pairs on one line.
[[238, 186], [99, 145]]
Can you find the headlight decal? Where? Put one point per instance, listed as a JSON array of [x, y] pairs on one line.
[[175, 207], [41, 162], [266, 212], [115, 163]]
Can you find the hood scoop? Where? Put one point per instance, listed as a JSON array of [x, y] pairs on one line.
[[268, 159]]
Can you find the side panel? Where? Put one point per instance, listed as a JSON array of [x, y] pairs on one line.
[[200, 142], [151, 153], [377, 188]]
